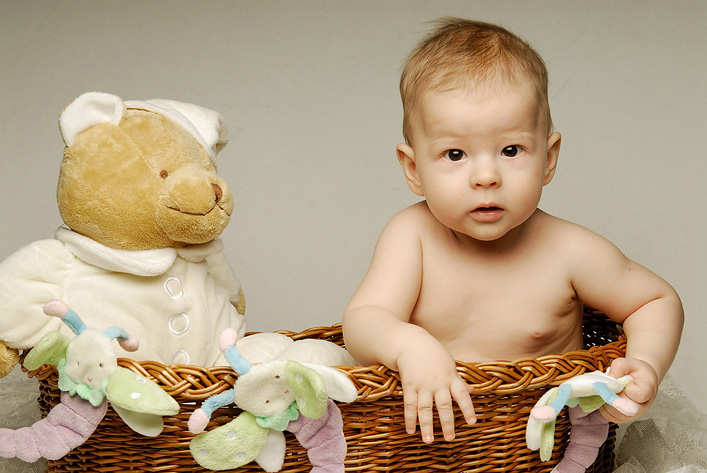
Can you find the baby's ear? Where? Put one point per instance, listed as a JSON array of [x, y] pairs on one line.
[[406, 158], [553, 154]]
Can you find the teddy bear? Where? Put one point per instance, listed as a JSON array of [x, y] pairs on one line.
[[143, 208]]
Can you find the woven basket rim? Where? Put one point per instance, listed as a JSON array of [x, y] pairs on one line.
[[504, 393], [376, 381]]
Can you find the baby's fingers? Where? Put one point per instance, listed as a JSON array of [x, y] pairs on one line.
[[460, 392], [446, 414], [640, 391], [644, 386], [418, 407], [424, 416], [410, 410]]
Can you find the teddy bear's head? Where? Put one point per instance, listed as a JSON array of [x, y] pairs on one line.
[[141, 175]]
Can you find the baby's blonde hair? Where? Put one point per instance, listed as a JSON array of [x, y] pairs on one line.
[[460, 53]]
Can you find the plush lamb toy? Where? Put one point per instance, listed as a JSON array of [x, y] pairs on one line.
[[143, 208]]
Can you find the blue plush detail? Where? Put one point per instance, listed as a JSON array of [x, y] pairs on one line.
[[116, 332], [236, 360], [563, 395], [218, 400], [74, 322], [606, 394]]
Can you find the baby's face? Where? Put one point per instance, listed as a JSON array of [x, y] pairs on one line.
[[481, 159]]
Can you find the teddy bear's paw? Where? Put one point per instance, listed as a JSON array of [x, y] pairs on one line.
[[9, 357], [240, 306]]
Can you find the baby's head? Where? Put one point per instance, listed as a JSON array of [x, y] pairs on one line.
[[477, 126], [465, 54]]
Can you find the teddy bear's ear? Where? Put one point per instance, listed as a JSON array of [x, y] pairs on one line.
[[211, 125], [88, 110], [207, 126]]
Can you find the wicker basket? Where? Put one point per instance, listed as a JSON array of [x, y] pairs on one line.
[[504, 394]]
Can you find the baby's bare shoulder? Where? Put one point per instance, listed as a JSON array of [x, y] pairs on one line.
[[557, 230], [574, 243], [416, 219]]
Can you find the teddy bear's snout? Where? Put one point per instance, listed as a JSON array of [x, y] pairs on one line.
[[196, 193]]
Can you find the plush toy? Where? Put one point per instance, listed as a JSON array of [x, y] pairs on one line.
[[143, 207], [89, 376], [584, 395], [275, 396]]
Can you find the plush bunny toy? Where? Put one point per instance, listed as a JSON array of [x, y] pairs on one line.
[[275, 396], [89, 375], [584, 394]]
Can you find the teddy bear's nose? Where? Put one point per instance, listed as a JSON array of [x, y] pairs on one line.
[[218, 192]]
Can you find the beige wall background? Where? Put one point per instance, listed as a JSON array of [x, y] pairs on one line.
[[309, 90]]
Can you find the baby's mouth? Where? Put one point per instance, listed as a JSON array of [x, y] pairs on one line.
[[487, 213]]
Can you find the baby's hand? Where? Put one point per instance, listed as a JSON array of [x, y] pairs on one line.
[[642, 390], [429, 378]]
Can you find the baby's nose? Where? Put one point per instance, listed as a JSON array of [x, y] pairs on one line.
[[485, 175]]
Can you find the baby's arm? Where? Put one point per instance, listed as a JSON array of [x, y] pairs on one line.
[[377, 330], [647, 306]]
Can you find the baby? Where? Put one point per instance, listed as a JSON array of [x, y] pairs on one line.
[[476, 272]]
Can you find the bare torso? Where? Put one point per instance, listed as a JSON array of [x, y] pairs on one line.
[[488, 303]]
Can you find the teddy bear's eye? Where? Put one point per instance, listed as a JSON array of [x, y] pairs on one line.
[[267, 401], [100, 365], [164, 174]]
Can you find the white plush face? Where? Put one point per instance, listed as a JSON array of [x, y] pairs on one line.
[[264, 391], [90, 358]]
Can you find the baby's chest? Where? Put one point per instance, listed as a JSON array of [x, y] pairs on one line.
[[458, 284], [461, 297], [490, 315]]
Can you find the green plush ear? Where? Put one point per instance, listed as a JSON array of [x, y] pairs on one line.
[[49, 350], [309, 389], [232, 445], [541, 435], [140, 402], [131, 391], [547, 440], [589, 403], [547, 431]]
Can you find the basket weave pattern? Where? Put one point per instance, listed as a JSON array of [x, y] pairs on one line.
[[504, 393]]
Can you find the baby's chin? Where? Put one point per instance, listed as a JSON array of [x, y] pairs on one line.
[[491, 238]]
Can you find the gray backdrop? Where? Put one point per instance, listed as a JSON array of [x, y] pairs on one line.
[[309, 90]]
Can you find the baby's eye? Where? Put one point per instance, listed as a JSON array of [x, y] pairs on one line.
[[511, 151], [455, 155]]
